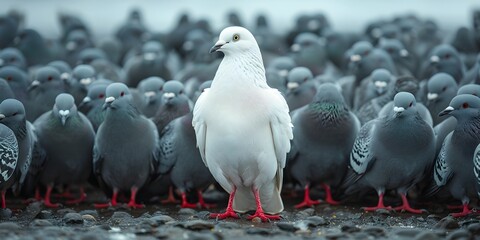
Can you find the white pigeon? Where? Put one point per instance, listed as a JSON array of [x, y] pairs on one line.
[[243, 129]]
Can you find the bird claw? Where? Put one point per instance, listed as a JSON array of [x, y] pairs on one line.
[[226, 214], [103, 205], [264, 217], [135, 205], [189, 205], [409, 209], [373, 209], [78, 200], [307, 203]]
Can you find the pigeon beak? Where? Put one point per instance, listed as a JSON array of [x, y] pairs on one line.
[[85, 81], [219, 44], [398, 110], [33, 85], [404, 53], [283, 73], [355, 58], [65, 76], [432, 96], [150, 96], [109, 99], [447, 111], [149, 56], [434, 59], [292, 85], [64, 115], [2, 116], [71, 46], [169, 95], [295, 47], [84, 101]]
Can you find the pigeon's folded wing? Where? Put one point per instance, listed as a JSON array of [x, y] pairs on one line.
[[199, 124], [476, 164], [442, 171], [156, 160], [8, 153], [167, 149], [361, 155]]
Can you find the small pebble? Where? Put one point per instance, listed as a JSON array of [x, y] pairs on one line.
[[120, 214], [41, 223], [350, 228], [197, 225], [447, 223], [286, 226], [474, 228], [44, 214], [228, 225], [5, 213], [187, 211], [88, 217], [258, 231], [73, 218], [64, 211], [375, 231]]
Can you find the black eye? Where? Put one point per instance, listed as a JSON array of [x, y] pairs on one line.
[[465, 105], [15, 114], [161, 88], [305, 79], [366, 53], [181, 92], [9, 78], [444, 89], [101, 95], [12, 59], [50, 78], [236, 37], [122, 93], [411, 103], [447, 56]]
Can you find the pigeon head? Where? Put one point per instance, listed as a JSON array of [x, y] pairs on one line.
[[403, 102], [329, 92], [64, 69], [359, 50], [406, 84], [441, 84], [305, 41], [116, 95], [394, 47], [77, 40], [380, 79], [12, 57], [445, 58], [64, 107], [89, 55], [235, 40], [296, 77], [473, 89], [84, 74], [282, 65], [462, 107], [15, 77], [12, 112], [151, 88], [46, 77], [172, 90], [151, 50], [95, 94]]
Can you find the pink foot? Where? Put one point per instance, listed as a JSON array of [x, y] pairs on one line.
[[307, 201], [264, 217]]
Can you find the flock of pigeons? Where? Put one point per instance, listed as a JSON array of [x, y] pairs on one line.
[[395, 108]]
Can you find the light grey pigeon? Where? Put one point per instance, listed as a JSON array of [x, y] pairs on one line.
[[394, 152], [64, 69], [324, 134], [8, 160], [119, 163], [444, 58], [441, 89], [454, 168], [12, 114], [420, 108], [151, 91], [174, 104], [371, 87], [473, 89], [67, 137], [300, 88], [243, 129]]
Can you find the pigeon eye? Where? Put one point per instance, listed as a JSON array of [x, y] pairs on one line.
[[12, 59], [236, 37], [15, 114], [465, 105], [122, 94], [50, 78], [101, 95], [409, 105], [366, 53], [447, 56], [9, 78], [181, 92]]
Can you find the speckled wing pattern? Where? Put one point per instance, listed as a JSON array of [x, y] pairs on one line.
[[361, 154], [476, 167], [442, 171], [167, 149], [8, 153]]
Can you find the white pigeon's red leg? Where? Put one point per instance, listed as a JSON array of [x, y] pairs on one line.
[[82, 197], [328, 195], [132, 203], [260, 213], [380, 204], [112, 203], [47, 201], [170, 198], [406, 206], [202, 202], [307, 201], [4, 202], [229, 211], [185, 203]]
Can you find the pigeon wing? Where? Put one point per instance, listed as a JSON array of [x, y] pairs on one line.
[[167, 149], [199, 124], [361, 154], [8, 153], [442, 171], [476, 164]]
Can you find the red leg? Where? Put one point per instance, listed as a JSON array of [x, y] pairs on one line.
[[185, 203], [328, 195], [4, 202], [202, 202], [47, 202], [465, 212], [406, 206], [259, 213], [307, 201], [229, 211], [82, 197], [112, 203], [65, 194], [170, 198], [379, 205], [133, 203], [453, 207], [38, 197]]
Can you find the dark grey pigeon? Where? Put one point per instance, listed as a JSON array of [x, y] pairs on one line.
[[12, 114], [393, 152], [300, 88], [454, 168], [43, 91], [420, 108], [12, 57], [404, 61], [76, 41], [119, 163], [371, 87], [89, 55], [92, 104], [464, 42], [324, 133], [82, 76], [337, 44], [67, 137], [151, 91], [64, 69], [444, 58], [309, 52], [472, 76], [201, 89], [277, 72], [8, 160], [33, 47], [181, 159], [18, 81], [151, 62], [8, 29], [174, 104], [5, 90], [441, 90]]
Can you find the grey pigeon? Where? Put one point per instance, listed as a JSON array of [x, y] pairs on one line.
[[473, 89], [92, 104], [420, 108], [247, 160], [64, 69], [12, 57], [444, 58], [121, 164], [403, 59], [18, 81], [277, 72], [201, 89], [174, 104], [8, 29], [394, 152], [151, 91], [300, 88], [8, 160], [464, 42], [473, 74], [43, 91], [76, 41], [454, 168], [441, 89], [309, 52], [336, 45], [181, 159], [67, 137], [33, 47], [373, 86], [324, 133], [5, 90], [82, 76], [89, 55]]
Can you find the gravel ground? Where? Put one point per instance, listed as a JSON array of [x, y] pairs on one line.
[[158, 221]]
